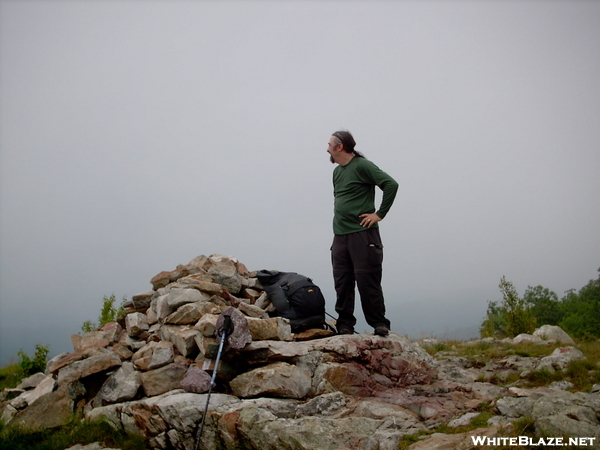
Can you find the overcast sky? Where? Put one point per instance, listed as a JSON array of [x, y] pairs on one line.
[[137, 135]]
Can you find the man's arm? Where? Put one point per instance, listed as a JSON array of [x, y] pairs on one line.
[[388, 185]]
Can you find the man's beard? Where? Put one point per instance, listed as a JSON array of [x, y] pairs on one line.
[[331, 159]]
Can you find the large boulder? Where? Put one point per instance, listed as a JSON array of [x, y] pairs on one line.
[[122, 385], [560, 359], [51, 410], [95, 364], [277, 380], [165, 379], [554, 333]]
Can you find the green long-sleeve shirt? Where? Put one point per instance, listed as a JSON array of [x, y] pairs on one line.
[[354, 193]]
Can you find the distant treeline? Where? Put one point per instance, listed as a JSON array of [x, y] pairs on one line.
[[578, 313]]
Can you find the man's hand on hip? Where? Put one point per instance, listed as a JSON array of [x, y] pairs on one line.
[[368, 220]]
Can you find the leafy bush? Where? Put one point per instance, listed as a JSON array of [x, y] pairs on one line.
[[544, 305], [108, 314], [30, 366], [581, 311], [509, 319]]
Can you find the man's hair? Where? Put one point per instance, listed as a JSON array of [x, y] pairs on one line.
[[347, 140]]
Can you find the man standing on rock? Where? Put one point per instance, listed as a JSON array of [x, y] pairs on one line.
[[357, 252]]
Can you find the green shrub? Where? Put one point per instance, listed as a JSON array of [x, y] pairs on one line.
[[108, 314], [30, 366], [511, 318]]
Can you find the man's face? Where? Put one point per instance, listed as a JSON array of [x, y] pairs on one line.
[[333, 148]]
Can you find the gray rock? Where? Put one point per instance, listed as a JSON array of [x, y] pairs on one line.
[[32, 381], [10, 393], [55, 361], [8, 413], [136, 323], [326, 404], [240, 336], [183, 337], [154, 355], [267, 351], [202, 282], [527, 338], [286, 408], [275, 380], [86, 367], [566, 425], [251, 310], [487, 391], [52, 410], [276, 328], [196, 380], [185, 314], [402, 418], [207, 325], [224, 270], [463, 420], [265, 431], [554, 333], [142, 300], [563, 385], [515, 407], [165, 379], [552, 403], [560, 358], [45, 386], [92, 339], [179, 297], [122, 385], [208, 346]]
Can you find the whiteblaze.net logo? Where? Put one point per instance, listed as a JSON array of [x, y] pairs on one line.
[[534, 442]]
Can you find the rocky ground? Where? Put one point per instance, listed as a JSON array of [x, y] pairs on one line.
[[150, 372]]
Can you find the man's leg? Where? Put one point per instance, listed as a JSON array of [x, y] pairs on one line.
[[366, 250], [371, 298], [343, 276]]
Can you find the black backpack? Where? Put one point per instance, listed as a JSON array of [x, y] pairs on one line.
[[295, 297]]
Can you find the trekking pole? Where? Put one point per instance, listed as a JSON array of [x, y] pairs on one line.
[[226, 329]]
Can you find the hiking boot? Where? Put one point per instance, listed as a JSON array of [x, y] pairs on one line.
[[382, 331], [345, 329]]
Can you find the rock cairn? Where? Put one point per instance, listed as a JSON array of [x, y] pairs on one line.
[[149, 373]]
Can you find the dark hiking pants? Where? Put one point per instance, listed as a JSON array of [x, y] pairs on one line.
[[357, 262]]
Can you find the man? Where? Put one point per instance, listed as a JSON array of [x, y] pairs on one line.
[[357, 252]]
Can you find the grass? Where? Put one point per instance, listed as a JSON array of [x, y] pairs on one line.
[[76, 432], [583, 374], [10, 376]]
